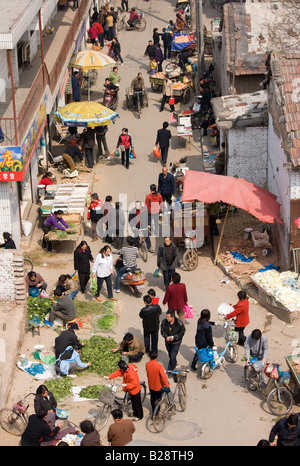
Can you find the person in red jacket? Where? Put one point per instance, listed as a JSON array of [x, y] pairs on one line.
[[95, 213], [154, 202], [157, 379], [93, 33], [176, 296], [131, 383], [241, 312]]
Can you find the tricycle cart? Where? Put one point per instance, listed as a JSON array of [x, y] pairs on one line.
[[182, 91], [293, 361], [157, 79], [129, 100]]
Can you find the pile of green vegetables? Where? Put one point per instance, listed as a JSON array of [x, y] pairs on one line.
[[38, 306], [97, 351], [61, 388], [85, 308], [91, 392], [106, 322]]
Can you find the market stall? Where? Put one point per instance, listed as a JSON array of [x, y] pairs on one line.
[[70, 198], [75, 225]]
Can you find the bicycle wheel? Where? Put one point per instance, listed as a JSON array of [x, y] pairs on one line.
[[140, 25], [251, 378], [182, 396], [233, 353], [120, 25], [190, 259], [102, 417], [280, 401], [28, 265], [143, 392], [144, 250], [12, 422], [138, 105], [160, 415], [206, 371]]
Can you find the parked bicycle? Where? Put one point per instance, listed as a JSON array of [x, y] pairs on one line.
[[280, 398], [166, 407], [28, 265], [143, 250], [111, 400], [14, 420], [211, 359]]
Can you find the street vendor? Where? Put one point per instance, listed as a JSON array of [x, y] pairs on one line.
[[47, 179], [56, 221], [131, 346], [70, 154], [34, 280], [63, 309]]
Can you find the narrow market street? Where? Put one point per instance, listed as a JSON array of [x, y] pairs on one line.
[[220, 411]]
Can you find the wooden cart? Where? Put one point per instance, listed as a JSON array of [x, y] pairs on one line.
[[182, 92]]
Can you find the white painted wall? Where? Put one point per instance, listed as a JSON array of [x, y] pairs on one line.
[[247, 154]]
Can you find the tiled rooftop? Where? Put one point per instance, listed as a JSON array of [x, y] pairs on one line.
[[286, 74]]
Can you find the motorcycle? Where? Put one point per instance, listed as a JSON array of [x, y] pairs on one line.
[[111, 98], [134, 279]]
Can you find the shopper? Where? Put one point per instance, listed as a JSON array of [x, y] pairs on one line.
[[121, 431], [167, 259], [103, 269], [203, 338], [287, 431], [131, 384], [88, 140], [176, 296], [67, 285], [116, 225], [75, 87], [163, 138], [157, 379], [95, 213], [153, 203], [82, 264], [241, 312], [150, 314], [139, 223], [103, 150], [166, 186], [37, 429], [167, 94], [167, 41], [172, 331], [125, 144], [256, 346]]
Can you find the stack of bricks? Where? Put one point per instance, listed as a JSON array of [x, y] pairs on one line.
[[12, 279]]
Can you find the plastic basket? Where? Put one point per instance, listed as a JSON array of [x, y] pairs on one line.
[[205, 354], [231, 335], [106, 396]]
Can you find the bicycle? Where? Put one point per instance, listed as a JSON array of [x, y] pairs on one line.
[[280, 399], [166, 407], [211, 359], [28, 265], [140, 24], [108, 396], [14, 420], [138, 101], [142, 244]]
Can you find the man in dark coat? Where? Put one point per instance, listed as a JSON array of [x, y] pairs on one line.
[[167, 41], [167, 259], [163, 141], [172, 330], [166, 185], [66, 338], [150, 317]]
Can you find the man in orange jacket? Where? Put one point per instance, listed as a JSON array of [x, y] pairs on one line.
[[131, 383], [157, 379], [241, 311]]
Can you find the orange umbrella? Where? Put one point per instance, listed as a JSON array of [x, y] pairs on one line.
[[239, 192]]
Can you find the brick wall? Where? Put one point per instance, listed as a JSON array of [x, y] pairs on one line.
[[248, 154], [13, 316]]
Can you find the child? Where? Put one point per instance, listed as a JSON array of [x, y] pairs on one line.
[[153, 66], [95, 213], [152, 293]]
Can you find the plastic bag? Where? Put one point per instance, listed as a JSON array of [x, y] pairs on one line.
[[188, 311], [34, 292], [116, 153], [26, 227], [157, 273], [225, 309], [156, 152]]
